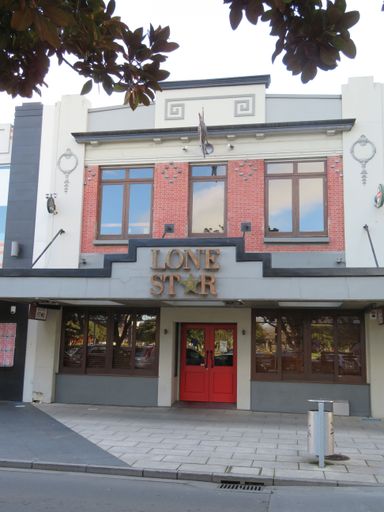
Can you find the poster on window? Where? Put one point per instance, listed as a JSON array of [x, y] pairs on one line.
[[7, 345]]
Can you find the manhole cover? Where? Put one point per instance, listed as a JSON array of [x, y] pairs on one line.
[[237, 486], [336, 456]]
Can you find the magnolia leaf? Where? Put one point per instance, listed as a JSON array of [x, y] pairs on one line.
[[111, 7], [349, 19], [235, 16], [46, 31], [87, 87], [58, 16], [309, 72], [22, 19], [348, 48]]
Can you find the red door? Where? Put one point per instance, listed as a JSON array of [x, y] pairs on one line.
[[208, 363]]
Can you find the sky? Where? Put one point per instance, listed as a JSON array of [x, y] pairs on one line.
[[209, 48]]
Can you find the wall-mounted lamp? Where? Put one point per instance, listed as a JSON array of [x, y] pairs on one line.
[[230, 146], [165, 331], [51, 205], [243, 332], [168, 228], [12, 310], [185, 148], [245, 227], [15, 249]]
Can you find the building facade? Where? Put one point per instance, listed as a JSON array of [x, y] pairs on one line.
[[236, 263]]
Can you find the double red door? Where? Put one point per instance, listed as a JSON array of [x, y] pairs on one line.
[[208, 363]]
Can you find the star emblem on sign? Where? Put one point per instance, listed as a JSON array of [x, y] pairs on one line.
[[190, 284]]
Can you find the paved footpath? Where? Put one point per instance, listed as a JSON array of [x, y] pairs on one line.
[[206, 444]]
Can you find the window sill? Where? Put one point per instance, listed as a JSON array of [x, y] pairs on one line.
[[110, 242], [297, 240]]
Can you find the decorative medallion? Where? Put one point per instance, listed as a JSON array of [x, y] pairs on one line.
[[363, 150], [246, 169], [171, 172], [67, 163]]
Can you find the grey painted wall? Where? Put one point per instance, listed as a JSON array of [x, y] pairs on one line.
[[308, 259], [21, 212], [106, 390], [121, 118], [292, 107], [292, 396]]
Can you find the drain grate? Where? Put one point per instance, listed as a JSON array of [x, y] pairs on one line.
[[238, 486]]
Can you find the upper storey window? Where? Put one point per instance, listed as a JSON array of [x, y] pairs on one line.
[[208, 184], [125, 202], [296, 199]]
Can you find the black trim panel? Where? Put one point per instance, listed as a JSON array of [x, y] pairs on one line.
[[241, 256], [217, 131]]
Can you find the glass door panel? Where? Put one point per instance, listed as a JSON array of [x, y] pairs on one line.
[[195, 349], [223, 347]]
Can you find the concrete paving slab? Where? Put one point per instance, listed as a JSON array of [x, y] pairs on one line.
[[225, 442]]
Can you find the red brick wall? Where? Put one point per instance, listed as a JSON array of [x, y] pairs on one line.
[[89, 224], [170, 199], [245, 203]]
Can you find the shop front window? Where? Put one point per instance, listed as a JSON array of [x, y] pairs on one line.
[[125, 202], [109, 342], [295, 199], [308, 346], [266, 344]]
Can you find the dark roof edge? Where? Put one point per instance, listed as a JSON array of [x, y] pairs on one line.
[[217, 82], [216, 131]]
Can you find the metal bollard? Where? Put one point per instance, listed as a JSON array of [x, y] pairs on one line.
[[320, 431]]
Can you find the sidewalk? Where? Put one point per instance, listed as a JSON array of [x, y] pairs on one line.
[[215, 445]]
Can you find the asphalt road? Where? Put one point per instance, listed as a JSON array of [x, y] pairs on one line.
[[29, 434], [38, 491]]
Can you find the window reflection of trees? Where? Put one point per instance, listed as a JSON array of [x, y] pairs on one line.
[[115, 341], [195, 347], [325, 347]]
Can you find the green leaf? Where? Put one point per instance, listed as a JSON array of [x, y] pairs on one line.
[[22, 19], [309, 72], [253, 11], [87, 87], [46, 30], [349, 19], [58, 16], [235, 16], [111, 7], [108, 85], [164, 46], [348, 48], [341, 5], [119, 88], [162, 74], [329, 56]]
